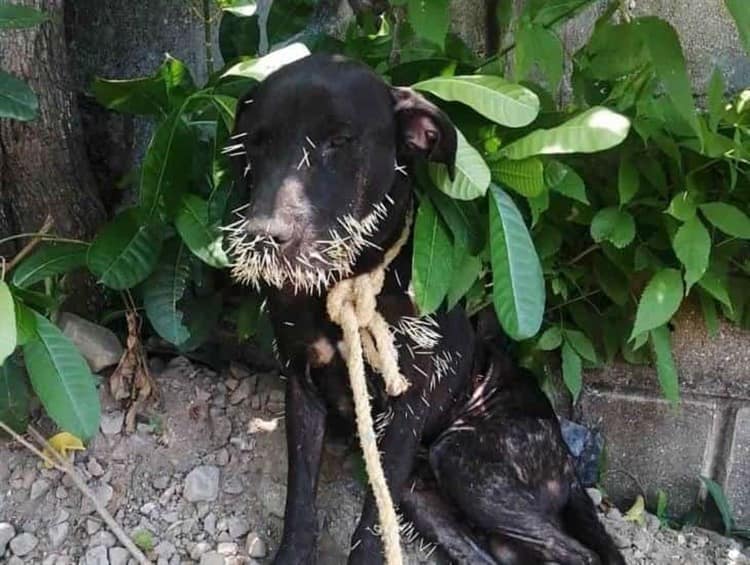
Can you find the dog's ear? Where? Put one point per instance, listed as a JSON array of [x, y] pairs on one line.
[[423, 128]]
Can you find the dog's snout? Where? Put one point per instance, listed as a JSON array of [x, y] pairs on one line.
[[276, 229]]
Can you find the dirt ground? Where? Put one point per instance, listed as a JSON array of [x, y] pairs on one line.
[[203, 481]]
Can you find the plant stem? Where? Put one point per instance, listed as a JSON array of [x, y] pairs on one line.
[[31, 245], [208, 37], [583, 254]]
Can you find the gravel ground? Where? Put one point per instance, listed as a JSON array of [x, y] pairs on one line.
[[203, 481]]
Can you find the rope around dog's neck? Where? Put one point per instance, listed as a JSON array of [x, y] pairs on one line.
[[352, 305]]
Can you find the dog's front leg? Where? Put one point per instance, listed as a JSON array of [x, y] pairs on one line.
[[305, 430], [398, 448]]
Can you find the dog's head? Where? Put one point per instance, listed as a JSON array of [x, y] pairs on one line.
[[322, 146]]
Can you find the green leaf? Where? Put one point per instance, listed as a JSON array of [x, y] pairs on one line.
[[15, 16], [729, 219], [611, 281], [660, 300], [692, 245], [613, 225], [665, 367], [563, 179], [239, 8], [432, 259], [508, 104], [202, 238], [537, 45], [164, 172], [126, 251], [525, 177], [49, 260], [25, 323], [466, 269], [716, 286], [682, 206], [663, 46], [581, 344], [594, 130], [202, 316], [550, 12], [259, 69], [463, 219], [249, 313], [17, 100], [716, 102], [572, 369], [518, 283], [720, 499], [14, 396], [472, 173], [430, 19], [628, 180], [551, 339], [164, 289], [62, 380], [710, 315], [8, 338], [741, 15]]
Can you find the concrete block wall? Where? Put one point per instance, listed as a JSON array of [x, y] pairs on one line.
[[652, 446]]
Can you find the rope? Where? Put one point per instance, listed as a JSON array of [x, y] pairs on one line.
[[352, 305]]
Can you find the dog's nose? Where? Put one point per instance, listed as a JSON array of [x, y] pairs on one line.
[[275, 229]]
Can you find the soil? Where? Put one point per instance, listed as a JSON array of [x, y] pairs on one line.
[[202, 480]]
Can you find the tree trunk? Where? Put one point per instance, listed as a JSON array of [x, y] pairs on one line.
[[43, 164]]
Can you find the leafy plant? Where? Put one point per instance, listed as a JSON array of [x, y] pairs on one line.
[[725, 510]]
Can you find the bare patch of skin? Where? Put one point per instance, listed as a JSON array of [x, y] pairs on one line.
[[320, 352]]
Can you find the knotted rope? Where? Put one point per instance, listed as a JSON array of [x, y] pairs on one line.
[[352, 305]]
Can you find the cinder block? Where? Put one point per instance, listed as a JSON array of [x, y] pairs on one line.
[[651, 445], [738, 469]]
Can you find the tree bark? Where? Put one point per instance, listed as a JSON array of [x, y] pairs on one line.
[[43, 164]]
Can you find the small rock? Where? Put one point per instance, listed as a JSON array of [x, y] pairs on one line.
[[103, 538], [233, 485], [98, 345], [595, 495], [57, 534], [54, 559], [92, 526], [231, 383], [202, 484], [61, 493], [39, 488], [94, 468], [255, 546], [7, 533], [111, 423], [209, 524], [23, 544], [199, 549], [103, 494], [227, 548], [15, 561], [118, 556], [222, 457], [212, 558], [96, 556], [275, 401], [238, 527], [238, 370], [241, 393], [223, 537], [171, 517], [221, 429], [165, 549], [161, 482], [147, 508]]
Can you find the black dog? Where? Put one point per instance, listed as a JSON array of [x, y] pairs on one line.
[[324, 146]]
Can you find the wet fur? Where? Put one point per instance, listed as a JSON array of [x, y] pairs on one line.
[[496, 484]]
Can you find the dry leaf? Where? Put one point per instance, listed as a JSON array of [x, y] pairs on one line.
[[636, 512], [61, 443]]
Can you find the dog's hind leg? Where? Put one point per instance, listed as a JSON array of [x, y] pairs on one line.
[[581, 522], [437, 522]]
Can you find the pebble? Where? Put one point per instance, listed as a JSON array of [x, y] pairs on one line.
[[103, 494], [241, 393], [237, 527], [61, 493], [96, 556], [92, 526], [199, 549], [161, 482], [104, 538], [15, 561], [111, 423], [209, 524], [227, 548], [238, 370], [255, 546], [7, 533], [39, 488], [171, 517], [202, 484], [222, 457], [165, 549], [57, 534], [212, 558], [118, 556], [23, 544], [94, 468], [148, 508]]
